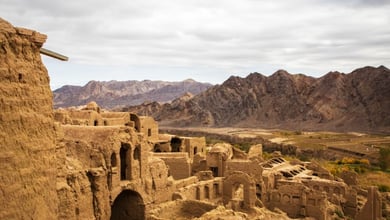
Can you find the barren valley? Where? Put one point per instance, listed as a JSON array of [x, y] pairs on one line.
[[278, 147]]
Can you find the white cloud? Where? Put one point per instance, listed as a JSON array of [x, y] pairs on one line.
[[149, 38]]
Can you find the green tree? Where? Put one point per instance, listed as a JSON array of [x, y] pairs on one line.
[[384, 158]]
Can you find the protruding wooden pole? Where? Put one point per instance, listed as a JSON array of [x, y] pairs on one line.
[[53, 54]]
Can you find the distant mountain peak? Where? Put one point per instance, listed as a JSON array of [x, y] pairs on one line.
[[189, 80], [282, 72], [114, 94], [381, 67], [357, 101]]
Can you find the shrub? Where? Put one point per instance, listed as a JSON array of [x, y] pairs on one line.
[[384, 158], [303, 157], [383, 188], [339, 213], [348, 160], [297, 132]]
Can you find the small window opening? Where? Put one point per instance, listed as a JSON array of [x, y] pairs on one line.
[[113, 160], [149, 132], [137, 153], [214, 170]]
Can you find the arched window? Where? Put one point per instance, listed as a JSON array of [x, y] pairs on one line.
[[198, 193], [216, 190], [206, 192]]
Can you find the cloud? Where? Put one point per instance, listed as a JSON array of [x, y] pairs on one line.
[[218, 36]]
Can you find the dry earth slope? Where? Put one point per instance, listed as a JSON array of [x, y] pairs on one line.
[[357, 101]]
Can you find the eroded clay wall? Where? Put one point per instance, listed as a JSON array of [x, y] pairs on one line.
[[195, 145], [27, 134], [247, 166], [94, 161], [210, 190], [297, 201], [115, 118], [88, 170], [178, 163], [149, 127]]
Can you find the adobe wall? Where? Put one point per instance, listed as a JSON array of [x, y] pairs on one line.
[[27, 134], [116, 118], [162, 183], [372, 210], [87, 171], [210, 190], [99, 164], [256, 152], [149, 127], [62, 117], [247, 166], [195, 145], [86, 117], [327, 186], [297, 201], [216, 158], [231, 187], [178, 162]]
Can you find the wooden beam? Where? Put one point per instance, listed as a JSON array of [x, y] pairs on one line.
[[53, 54]]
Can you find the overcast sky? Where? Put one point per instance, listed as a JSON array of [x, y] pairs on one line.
[[207, 40]]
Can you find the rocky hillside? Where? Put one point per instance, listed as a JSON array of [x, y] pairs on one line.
[[358, 101], [113, 94]]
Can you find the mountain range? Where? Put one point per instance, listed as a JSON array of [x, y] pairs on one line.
[[357, 101], [115, 94]]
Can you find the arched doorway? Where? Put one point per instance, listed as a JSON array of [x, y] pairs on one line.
[[128, 205], [206, 192], [240, 189]]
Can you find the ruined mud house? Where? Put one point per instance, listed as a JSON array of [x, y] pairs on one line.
[[91, 164]]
